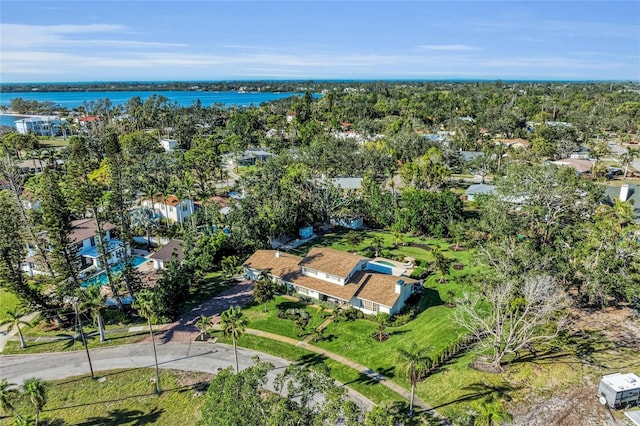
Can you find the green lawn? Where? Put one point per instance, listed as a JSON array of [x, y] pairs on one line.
[[269, 321], [93, 342], [126, 397], [341, 373], [8, 302]]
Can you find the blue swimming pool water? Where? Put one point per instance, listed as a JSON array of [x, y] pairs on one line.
[[384, 262], [101, 278]]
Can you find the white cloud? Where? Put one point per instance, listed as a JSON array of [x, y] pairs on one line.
[[19, 36]]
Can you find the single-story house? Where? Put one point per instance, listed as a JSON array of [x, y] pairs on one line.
[[251, 156], [513, 143], [351, 222], [173, 250], [336, 276], [581, 166], [34, 166], [479, 189]]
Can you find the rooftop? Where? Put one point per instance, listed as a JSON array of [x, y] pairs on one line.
[[378, 288], [622, 382], [167, 252], [86, 228], [334, 262], [275, 262]]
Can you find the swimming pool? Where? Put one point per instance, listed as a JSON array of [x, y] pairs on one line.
[[384, 262], [116, 269]]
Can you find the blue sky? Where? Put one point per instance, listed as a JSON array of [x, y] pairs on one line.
[[215, 40]]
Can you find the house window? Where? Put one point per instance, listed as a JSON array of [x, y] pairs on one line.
[[92, 241], [303, 290], [370, 306], [310, 271], [333, 277], [184, 207]]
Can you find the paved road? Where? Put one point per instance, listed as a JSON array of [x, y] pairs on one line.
[[202, 357], [185, 331]]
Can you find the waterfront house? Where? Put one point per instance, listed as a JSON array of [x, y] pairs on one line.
[[346, 279], [171, 208], [84, 237], [40, 126], [173, 250]]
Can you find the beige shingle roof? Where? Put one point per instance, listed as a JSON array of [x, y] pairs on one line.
[[375, 287], [266, 260], [86, 228], [331, 261], [378, 288]]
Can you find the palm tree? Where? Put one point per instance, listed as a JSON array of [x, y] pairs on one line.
[[233, 324], [265, 289], [377, 243], [353, 239], [145, 303], [36, 390], [14, 319], [627, 158], [92, 299], [413, 366], [8, 394], [203, 325]]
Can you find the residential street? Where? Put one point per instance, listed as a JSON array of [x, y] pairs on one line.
[[203, 357]]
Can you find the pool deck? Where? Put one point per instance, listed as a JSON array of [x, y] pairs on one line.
[[408, 267]]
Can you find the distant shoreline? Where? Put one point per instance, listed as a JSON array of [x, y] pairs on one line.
[[17, 114]]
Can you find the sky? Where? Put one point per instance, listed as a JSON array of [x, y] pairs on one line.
[[93, 40]]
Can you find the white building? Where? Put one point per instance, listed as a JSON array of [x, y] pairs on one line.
[[171, 208], [336, 276], [173, 250], [83, 236], [169, 144], [41, 126]]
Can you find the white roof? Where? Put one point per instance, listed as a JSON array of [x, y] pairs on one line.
[[622, 382]]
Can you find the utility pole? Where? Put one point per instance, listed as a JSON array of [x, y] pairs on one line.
[[74, 302]]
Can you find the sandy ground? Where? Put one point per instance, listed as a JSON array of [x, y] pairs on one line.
[[578, 405]]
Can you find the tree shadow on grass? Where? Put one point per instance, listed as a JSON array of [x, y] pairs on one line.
[[310, 360], [283, 306], [479, 391], [430, 298], [123, 416]]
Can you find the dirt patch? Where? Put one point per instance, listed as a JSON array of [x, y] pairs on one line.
[[578, 407], [619, 325], [606, 341], [458, 266], [191, 378]]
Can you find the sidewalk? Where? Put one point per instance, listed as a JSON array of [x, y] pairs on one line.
[[358, 367]]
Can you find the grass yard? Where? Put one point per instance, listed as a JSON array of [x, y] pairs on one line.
[[70, 344], [8, 302], [126, 397], [269, 321], [341, 373]]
